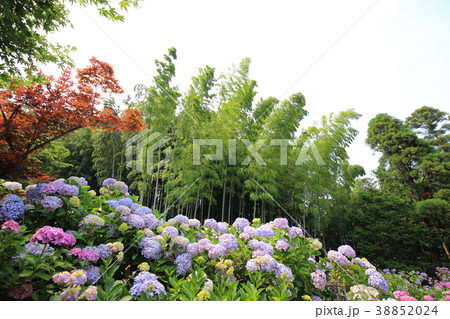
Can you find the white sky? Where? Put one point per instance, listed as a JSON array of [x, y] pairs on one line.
[[395, 59]]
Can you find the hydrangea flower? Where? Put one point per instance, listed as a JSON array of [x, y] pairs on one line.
[[68, 190], [170, 231], [347, 250], [184, 263], [210, 223], [12, 186], [36, 249], [241, 223], [260, 248], [84, 254], [229, 242], [316, 244], [182, 219], [71, 293], [21, 292], [34, 193], [121, 187], [74, 201], [377, 280], [136, 221], [361, 262], [319, 279], [151, 248], [52, 187], [204, 245], [54, 235], [92, 220], [148, 284], [52, 203], [91, 293], [150, 221], [109, 182], [144, 210], [283, 272], [280, 223], [217, 251], [126, 201], [180, 240], [194, 223], [10, 224], [104, 251], [77, 277], [282, 245], [262, 263], [221, 227], [61, 278], [192, 249], [295, 232], [143, 266], [264, 231], [11, 207], [112, 203], [93, 274], [338, 258]]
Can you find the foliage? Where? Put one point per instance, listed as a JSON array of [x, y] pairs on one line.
[[34, 116]]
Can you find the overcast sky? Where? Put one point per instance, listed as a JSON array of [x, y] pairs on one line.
[[380, 56]]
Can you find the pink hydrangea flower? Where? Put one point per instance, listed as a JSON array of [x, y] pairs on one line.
[[428, 298], [54, 235], [407, 298], [399, 293], [10, 224], [447, 298]]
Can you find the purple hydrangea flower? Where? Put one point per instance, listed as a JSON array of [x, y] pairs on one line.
[[377, 280], [150, 221], [319, 279], [93, 274], [282, 245], [68, 190], [192, 249], [112, 203], [79, 180], [11, 207], [34, 193], [210, 223], [109, 182], [229, 242], [217, 251], [241, 223], [204, 245], [182, 219], [52, 203], [170, 230], [338, 258], [52, 187], [347, 250], [221, 227], [295, 232], [264, 231], [283, 272], [358, 261], [280, 223]]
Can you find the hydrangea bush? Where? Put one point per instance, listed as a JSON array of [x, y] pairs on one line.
[[62, 241]]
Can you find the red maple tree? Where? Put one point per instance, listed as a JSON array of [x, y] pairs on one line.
[[34, 116]]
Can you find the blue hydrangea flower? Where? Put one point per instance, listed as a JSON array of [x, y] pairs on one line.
[[221, 227], [144, 210], [104, 251], [192, 249], [210, 223], [148, 284], [126, 201], [112, 203], [264, 231], [135, 221], [93, 274], [217, 251], [283, 272], [295, 232], [11, 207], [52, 203], [151, 248], [69, 190], [109, 182], [34, 194], [150, 221], [184, 263], [347, 250], [377, 280]]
